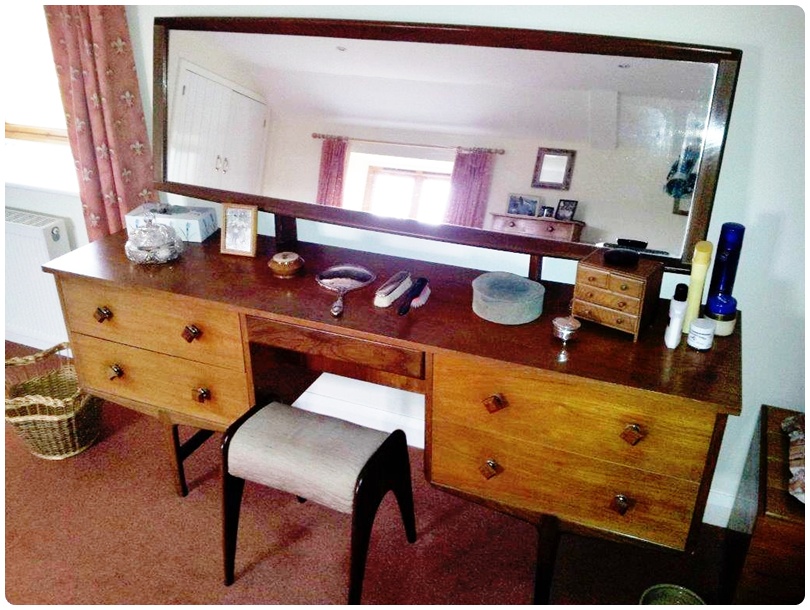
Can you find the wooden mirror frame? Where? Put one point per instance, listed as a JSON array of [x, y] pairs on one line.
[[286, 212]]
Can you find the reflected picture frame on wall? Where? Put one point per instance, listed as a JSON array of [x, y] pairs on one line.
[[554, 168], [566, 208], [239, 229], [523, 205]]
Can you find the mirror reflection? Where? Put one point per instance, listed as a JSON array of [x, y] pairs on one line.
[[443, 134]]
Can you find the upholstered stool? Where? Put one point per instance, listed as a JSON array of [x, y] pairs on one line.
[[329, 461]]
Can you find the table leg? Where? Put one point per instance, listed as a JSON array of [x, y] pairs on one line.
[[548, 539], [181, 451]]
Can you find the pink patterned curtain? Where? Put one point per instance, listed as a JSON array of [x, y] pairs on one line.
[[469, 188], [333, 166], [103, 111]]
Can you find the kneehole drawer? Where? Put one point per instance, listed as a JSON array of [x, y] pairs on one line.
[[388, 358]]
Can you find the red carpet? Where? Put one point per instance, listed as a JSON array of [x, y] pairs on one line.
[[106, 527]]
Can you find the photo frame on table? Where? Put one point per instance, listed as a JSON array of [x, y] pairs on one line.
[[566, 209], [239, 228], [523, 205]]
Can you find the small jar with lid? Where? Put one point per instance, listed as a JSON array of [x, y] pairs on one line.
[[701, 334], [286, 264]]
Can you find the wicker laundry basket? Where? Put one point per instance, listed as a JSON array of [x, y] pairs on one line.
[[46, 408]]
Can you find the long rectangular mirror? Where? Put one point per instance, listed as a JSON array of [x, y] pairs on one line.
[[252, 110]]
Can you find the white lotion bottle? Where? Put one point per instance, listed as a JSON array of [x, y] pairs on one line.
[[697, 279], [677, 311]]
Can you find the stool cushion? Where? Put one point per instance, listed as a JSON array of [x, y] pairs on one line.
[[310, 455]]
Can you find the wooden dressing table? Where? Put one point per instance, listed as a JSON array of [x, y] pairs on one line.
[[620, 438]]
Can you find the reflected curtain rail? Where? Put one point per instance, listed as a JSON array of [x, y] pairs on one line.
[[494, 151]]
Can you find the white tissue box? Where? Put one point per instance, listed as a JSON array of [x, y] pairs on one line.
[[191, 223]]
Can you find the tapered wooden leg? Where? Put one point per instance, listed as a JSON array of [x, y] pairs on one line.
[[387, 470], [402, 485], [548, 540], [232, 490], [362, 522], [177, 460], [181, 451]]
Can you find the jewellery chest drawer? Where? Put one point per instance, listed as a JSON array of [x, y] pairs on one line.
[[568, 446], [624, 298]]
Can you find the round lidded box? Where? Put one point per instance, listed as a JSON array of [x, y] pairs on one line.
[[286, 264], [506, 298]]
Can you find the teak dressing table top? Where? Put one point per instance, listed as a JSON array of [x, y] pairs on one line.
[[446, 322]]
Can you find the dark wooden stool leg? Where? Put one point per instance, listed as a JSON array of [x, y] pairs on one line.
[[387, 470], [401, 484], [362, 521], [232, 490], [548, 540]]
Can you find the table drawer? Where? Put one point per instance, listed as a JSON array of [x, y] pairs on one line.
[[547, 229], [373, 354], [164, 382], [576, 488], [575, 415], [608, 317], [155, 321], [623, 303]]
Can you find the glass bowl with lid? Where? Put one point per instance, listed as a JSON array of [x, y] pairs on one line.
[[153, 243]]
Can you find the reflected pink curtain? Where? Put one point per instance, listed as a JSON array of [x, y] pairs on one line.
[[103, 111], [469, 189], [333, 166]]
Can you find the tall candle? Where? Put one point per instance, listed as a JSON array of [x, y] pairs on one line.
[[697, 280]]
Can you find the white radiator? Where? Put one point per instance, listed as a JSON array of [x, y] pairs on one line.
[[33, 314]]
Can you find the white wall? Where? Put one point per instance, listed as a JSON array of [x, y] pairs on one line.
[[761, 184]]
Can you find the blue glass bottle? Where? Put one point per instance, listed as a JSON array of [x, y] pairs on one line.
[[720, 305]]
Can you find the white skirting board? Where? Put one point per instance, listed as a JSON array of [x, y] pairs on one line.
[[368, 404]]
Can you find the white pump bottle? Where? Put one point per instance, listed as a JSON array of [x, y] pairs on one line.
[[677, 311]]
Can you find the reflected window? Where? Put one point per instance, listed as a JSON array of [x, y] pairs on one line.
[[407, 194], [398, 187]]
